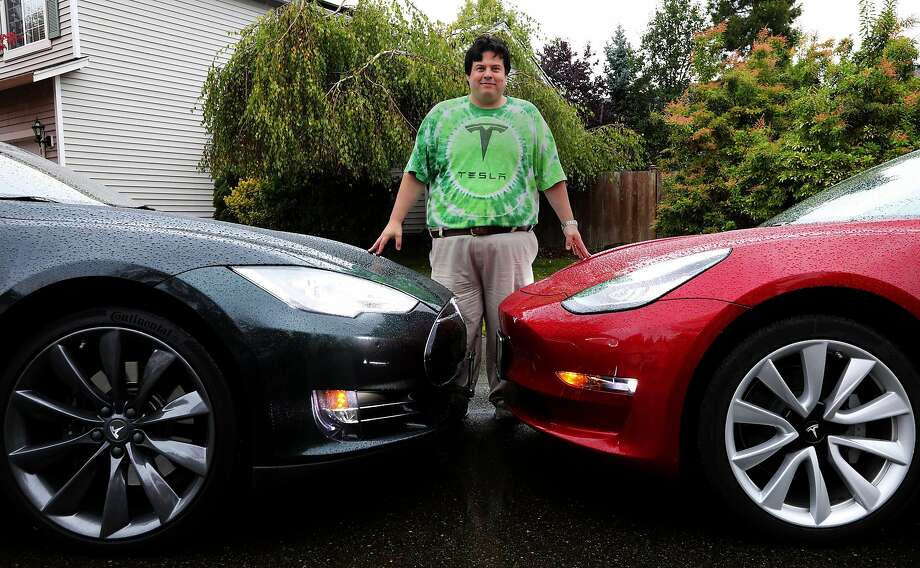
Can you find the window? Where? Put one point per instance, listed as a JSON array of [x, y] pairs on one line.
[[887, 191], [26, 20], [20, 180], [25, 174]]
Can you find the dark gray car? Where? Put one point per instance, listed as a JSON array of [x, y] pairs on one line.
[[145, 357]]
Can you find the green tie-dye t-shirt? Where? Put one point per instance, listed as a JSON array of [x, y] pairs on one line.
[[484, 167]]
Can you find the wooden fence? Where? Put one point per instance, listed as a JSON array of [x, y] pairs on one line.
[[619, 209]]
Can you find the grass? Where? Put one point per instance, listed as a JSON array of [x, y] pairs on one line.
[[545, 265]]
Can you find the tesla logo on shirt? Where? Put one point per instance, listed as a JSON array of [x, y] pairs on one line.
[[485, 134]]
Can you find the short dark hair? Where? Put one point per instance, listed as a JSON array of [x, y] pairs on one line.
[[483, 44]]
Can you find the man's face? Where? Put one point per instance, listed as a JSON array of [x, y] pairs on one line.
[[487, 79]]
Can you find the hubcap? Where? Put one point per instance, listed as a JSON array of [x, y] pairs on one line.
[[116, 430], [812, 433], [108, 433], [820, 433]]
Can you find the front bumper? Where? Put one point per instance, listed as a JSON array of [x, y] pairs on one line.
[[281, 356], [659, 345]]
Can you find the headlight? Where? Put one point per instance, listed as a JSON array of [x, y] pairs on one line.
[[326, 292], [644, 285]]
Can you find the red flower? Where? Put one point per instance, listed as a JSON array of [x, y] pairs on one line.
[[7, 40]]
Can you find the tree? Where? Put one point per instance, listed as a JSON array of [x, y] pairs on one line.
[[666, 51], [877, 28], [574, 77], [313, 112], [780, 124], [744, 19], [622, 66], [667, 47]]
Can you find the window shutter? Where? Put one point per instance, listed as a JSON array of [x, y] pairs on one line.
[[54, 18]]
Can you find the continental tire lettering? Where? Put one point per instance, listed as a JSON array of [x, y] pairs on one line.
[[135, 320]]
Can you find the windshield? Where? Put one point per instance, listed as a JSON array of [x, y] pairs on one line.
[[887, 191], [23, 174]]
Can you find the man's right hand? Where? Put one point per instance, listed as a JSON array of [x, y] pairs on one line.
[[393, 230]]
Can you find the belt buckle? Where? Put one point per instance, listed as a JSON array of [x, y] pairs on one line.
[[479, 231]]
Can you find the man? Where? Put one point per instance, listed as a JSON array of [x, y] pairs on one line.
[[484, 157]]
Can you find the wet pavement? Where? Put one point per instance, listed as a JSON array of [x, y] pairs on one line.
[[493, 495]]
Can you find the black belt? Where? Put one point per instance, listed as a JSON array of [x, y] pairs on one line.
[[476, 231]]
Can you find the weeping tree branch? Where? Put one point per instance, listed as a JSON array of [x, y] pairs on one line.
[[361, 72], [393, 105], [301, 8], [333, 91]]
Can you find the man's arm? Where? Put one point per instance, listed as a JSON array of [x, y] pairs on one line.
[[558, 197], [409, 190]]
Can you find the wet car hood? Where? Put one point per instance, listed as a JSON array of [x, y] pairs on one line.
[[621, 260], [278, 247]]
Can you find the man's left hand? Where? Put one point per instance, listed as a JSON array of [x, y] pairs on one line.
[[574, 243]]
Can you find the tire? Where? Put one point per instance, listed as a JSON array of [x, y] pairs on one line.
[[793, 477], [86, 458]]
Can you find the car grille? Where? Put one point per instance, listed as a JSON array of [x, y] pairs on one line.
[[374, 407]]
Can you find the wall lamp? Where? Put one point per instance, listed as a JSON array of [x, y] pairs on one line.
[[39, 130]]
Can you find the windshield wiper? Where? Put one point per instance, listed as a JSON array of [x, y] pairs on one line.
[[33, 198]]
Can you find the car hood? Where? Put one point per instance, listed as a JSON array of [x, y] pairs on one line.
[[621, 260], [341, 257], [231, 244]]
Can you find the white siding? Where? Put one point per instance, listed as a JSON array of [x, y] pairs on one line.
[[415, 221], [61, 50], [130, 117]]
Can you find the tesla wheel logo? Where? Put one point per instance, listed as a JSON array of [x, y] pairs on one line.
[[813, 430], [115, 431], [485, 134]]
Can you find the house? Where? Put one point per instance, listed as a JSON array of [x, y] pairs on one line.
[[115, 84]]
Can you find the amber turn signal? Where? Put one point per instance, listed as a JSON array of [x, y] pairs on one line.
[[578, 380], [595, 382]]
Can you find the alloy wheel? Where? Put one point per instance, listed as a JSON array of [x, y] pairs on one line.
[[820, 433], [108, 433]]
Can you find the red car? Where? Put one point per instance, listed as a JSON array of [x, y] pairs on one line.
[[781, 361]]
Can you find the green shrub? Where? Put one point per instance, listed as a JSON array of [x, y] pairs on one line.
[[781, 124]]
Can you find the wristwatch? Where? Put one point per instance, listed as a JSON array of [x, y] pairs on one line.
[[570, 222]]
